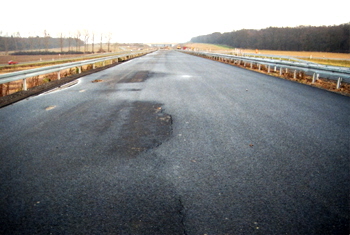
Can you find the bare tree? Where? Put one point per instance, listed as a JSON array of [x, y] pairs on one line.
[[19, 40], [77, 40], [6, 44], [101, 43], [15, 41], [61, 41], [86, 40], [31, 40], [1, 40], [93, 42], [46, 40], [69, 41], [38, 42], [109, 37]]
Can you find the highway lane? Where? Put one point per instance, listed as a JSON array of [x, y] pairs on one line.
[[175, 144]]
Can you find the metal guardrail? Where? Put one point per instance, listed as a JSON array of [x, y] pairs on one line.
[[15, 76], [277, 57], [316, 70]]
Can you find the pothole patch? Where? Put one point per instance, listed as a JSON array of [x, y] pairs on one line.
[[129, 89], [147, 127], [136, 77], [97, 80], [50, 107]]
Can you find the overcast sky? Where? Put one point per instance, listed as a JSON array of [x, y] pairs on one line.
[[164, 21]]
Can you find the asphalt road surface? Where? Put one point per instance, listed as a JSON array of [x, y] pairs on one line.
[[170, 143]]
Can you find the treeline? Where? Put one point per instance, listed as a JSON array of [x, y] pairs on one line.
[[301, 38], [14, 43]]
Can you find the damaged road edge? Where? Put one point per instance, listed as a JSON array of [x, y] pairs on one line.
[[146, 127], [21, 95]]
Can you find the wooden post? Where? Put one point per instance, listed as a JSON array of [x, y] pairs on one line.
[[339, 82], [25, 84]]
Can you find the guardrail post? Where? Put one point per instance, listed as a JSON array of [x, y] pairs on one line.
[[25, 84], [313, 78], [281, 70], [251, 65], [268, 69], [339, 82], [259, 66], [94, 66], [58, 75], [79, 69], [295, 74]]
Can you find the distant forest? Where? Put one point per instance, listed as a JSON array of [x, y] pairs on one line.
[[301, 38], [38, 43]]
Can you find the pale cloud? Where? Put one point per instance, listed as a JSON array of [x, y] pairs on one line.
[[164, 21]]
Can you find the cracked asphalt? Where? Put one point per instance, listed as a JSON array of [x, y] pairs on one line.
[[170, 143]]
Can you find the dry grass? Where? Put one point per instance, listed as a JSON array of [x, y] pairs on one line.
[[204, 46], [35, 61], [313, 54], [34, 58], [37, 58]]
